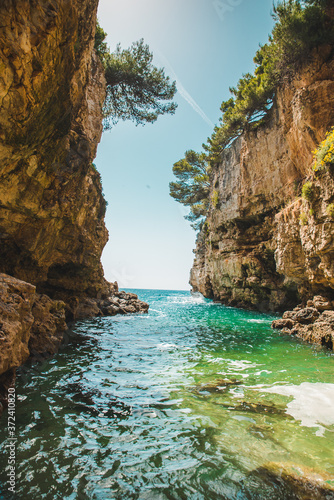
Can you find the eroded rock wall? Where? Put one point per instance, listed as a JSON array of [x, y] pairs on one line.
[[51, 93], [52, 230], [253, 250]]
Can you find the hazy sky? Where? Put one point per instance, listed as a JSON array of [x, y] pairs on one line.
[[205, 46]]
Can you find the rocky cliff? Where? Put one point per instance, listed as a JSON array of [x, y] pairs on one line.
[[51, 93], [52, 231], [263, 246]]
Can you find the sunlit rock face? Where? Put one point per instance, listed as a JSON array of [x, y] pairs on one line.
[[256, 250], [51, 94]]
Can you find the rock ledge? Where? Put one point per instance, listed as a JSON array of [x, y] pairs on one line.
[[313, 323]]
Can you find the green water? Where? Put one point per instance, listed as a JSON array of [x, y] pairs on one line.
[[187, 402]]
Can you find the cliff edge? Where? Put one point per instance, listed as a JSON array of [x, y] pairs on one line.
[[263, 246]]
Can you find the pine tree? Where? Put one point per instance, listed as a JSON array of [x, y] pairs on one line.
[[136, 89], [193, 186]]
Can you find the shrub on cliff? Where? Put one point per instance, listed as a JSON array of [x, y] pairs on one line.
[[300, 27], [136, 89], [324, 155], [308, 191]]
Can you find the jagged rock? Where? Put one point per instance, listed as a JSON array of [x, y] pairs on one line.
[[49, 325], [16, 319], [306, 316], [120, 303], [279, 324], [320, 332], [289, 314], [129, 309], [88, 308], [111, 310], [328, 317], [30, 323], [321, 303], [51, 96], [309, 325]]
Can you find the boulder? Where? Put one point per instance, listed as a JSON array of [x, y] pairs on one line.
[[321, 303], [306, 316], [279, 324]]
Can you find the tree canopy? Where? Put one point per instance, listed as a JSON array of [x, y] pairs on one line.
[[136, 89], [300, 27], [193, 185]]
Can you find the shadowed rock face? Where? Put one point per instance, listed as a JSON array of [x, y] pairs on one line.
[[30, 323], [253, 251], [51, 93], [52, 231]]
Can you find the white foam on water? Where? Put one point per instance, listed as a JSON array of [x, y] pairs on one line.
[[195, 298], [313, 404], [240, 364], [259, 321], [166, 347]]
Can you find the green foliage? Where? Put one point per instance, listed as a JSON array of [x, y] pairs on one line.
[[193, 186], [215, 199], [136, 89], [100, 45], [324, 155], [300, 27], [308, 191], [312, 212], [330, 210], [303, 219]]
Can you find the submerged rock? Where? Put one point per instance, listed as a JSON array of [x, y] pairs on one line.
[[220, 385], [296, 482]]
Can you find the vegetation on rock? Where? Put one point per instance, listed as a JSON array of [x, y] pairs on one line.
[[136, 89], [330, 210], [324, 155], [301, 26], [307, 191]]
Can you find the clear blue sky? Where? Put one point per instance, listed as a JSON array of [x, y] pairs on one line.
[[206, 45]]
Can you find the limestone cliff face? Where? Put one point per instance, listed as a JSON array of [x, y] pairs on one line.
[[254, 251], [52, 231], [51, 92]]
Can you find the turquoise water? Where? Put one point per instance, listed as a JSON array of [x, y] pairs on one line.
[[187, 402]]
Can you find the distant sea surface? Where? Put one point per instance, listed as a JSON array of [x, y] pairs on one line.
[[194, 400]]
